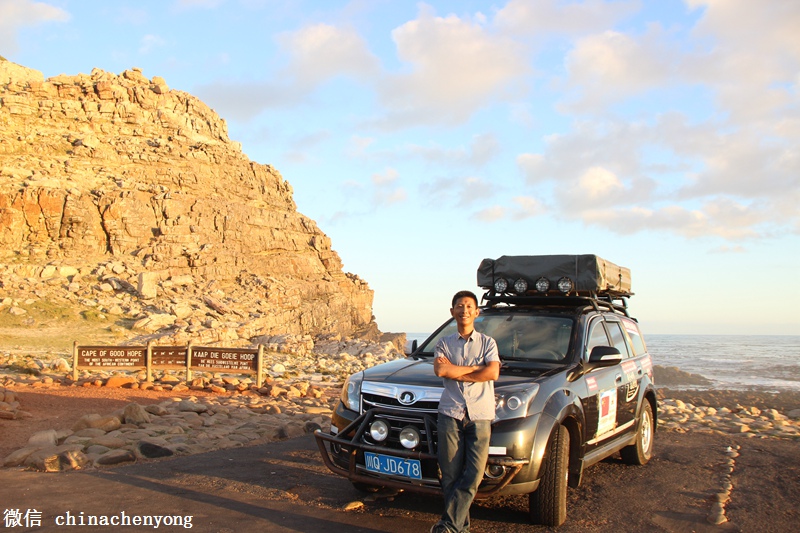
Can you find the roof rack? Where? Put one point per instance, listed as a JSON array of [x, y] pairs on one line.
[[595, 301]]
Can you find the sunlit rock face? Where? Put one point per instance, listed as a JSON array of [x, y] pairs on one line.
[[104, 168]]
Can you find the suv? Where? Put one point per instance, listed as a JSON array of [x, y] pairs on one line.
[[575, 386]]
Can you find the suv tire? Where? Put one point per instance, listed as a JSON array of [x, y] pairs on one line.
[[548, 504], [641, 451]]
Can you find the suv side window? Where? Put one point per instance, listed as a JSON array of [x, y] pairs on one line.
[[618, 338], [597, 336], [637, 342]]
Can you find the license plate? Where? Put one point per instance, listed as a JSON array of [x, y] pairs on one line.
[[396, 466]]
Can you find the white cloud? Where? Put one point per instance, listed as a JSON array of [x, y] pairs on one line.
[[491, 214], [454, 67], [387, 178], [714, 219], [608, 67], [535, 18], [750, 58], [321, 52], [481, 150], [631, 177], [15, 14], [599, 184], [457, 192], [527, 207], [315, 55], [384, 190]]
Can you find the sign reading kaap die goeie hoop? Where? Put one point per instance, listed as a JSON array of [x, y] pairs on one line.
[[224, 359]]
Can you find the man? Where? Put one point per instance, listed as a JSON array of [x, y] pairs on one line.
[[468, 362]]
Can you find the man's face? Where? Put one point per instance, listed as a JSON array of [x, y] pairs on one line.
[[465, 311]]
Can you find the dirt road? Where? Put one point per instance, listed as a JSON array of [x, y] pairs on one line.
[[283, 487]]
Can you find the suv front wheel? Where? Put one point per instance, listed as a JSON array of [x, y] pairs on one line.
[[548, 504]]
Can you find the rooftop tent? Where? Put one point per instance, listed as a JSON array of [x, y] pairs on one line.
[[589, 273]]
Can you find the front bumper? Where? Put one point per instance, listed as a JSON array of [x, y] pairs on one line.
[[344, 455]]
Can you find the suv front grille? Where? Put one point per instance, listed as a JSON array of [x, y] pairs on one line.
[[374, 400]]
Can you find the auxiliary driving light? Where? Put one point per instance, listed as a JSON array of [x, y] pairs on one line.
[[409, 437], [565, 285], [379, 430], [543, 285], [500, 285], [521, 286], [513, 403], [494, 471]]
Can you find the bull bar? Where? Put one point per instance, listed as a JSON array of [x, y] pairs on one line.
[[354, 445]]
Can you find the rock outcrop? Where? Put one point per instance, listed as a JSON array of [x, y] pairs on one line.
[[105, 169]]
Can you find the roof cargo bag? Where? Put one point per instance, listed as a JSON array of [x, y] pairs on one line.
[[590, 274]]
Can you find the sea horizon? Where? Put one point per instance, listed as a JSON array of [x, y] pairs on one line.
[[729, 361]]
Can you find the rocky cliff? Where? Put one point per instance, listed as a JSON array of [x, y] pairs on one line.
[[117, 185]]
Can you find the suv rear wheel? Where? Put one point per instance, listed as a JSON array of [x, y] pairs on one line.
[[548, 504], [642, 450]]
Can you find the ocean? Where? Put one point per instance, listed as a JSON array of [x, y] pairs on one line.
[[736, 362]]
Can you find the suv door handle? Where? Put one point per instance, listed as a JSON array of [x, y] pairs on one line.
[[618, 378]]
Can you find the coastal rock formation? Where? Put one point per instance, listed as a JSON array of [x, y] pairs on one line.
[[106, 169]]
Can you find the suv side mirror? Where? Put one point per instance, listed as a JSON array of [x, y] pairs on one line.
[[603, 356], [411, 347]]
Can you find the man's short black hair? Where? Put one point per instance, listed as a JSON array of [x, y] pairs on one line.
[[463, 294]]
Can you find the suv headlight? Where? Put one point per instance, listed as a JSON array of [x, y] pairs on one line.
[[351, 392], [514, 402]]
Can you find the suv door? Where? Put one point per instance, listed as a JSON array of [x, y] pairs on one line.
[[605, 389], [631, 375]]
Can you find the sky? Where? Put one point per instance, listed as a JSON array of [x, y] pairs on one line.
[[422, 137]]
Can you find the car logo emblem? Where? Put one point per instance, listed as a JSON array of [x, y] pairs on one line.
[[407, 398]]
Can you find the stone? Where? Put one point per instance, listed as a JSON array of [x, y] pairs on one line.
[[354, 506], [118, 381], [151, 450], [19, 456], [135, 414], [108, 441], [50, 459], [115, 457], [147, 285], [156, 409], [106, 423], [192, 407], [43, 439]]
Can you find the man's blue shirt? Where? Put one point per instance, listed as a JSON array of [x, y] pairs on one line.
[[462, 397]]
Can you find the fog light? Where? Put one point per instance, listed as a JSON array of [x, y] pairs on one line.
[[565, 285], [379, 430], [521, 286], [409, 437], [500, 285], [542, 284], [495, 471]]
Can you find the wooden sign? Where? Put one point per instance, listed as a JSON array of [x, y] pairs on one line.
[[224, 359], [112, 356]]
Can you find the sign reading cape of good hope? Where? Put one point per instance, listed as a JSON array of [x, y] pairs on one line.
[[111, 356], [197, 358]]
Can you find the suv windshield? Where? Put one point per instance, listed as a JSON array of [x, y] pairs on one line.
[[519, 337]]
